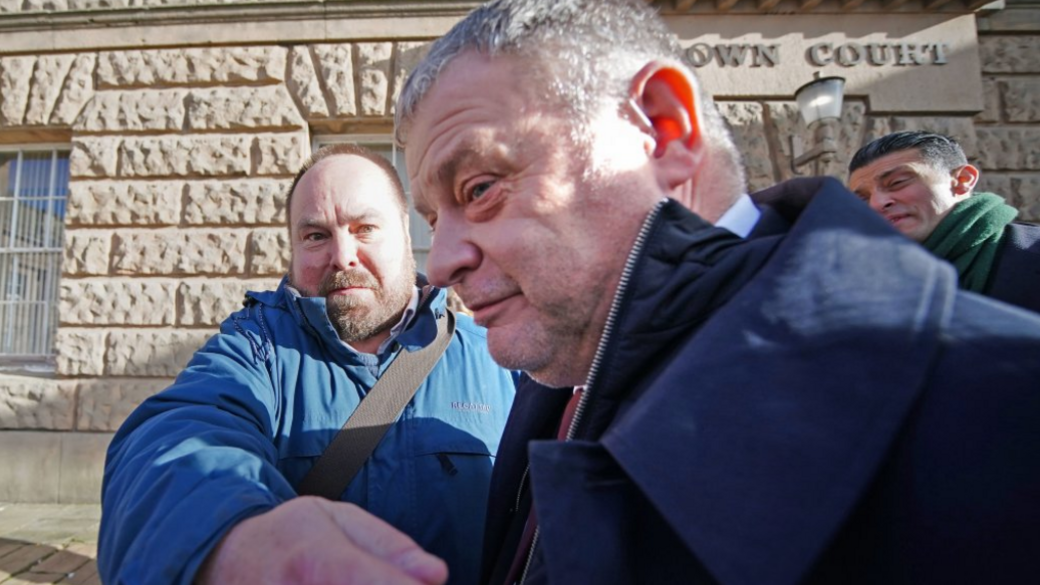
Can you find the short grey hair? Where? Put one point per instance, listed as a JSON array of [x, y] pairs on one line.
[[586, 52]]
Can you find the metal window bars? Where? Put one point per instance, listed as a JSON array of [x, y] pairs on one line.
[[33, 192]]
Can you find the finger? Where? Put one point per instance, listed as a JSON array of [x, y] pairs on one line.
[[385, 542]]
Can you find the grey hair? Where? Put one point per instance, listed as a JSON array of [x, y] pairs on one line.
[[586, 53]]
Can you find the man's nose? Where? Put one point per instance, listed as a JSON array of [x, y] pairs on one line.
[[452, 253], [344, 253], [879, 200]]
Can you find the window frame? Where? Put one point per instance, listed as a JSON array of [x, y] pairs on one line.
[[420, 247], [36, 363]]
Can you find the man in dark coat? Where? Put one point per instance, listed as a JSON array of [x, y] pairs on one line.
[[922, 183], [818, 403]]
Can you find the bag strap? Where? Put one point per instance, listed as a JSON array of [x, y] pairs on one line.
[[364, 429]]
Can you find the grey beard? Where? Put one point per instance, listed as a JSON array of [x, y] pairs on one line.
[[357, 321]]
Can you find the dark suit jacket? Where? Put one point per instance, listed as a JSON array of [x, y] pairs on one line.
[[1016, 274], [821, 406]]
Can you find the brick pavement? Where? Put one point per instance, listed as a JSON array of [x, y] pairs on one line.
[[48, 543]]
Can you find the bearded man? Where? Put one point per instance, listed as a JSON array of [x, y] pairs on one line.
[[201, 481]]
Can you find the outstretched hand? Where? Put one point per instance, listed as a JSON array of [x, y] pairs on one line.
[[312, 541]]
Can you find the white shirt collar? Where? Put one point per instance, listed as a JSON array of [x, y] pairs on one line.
[[741, 217]]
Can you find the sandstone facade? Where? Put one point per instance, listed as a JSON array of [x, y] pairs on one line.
[[180, 158]]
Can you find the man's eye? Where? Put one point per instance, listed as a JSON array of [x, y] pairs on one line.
[[480, 189], [314, 237], [366, 229]]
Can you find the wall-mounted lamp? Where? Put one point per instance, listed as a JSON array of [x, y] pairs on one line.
[[819, 102]]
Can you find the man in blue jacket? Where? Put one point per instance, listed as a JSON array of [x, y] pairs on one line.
[[923, 184], [200, 481], [817, 403]]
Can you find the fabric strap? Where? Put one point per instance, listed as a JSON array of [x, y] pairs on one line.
[[969, 237], [364, 429]]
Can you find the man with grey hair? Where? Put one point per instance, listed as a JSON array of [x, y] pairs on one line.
[[816, 403]]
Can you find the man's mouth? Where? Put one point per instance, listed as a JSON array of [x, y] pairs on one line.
[[485, 312], [895, 218]]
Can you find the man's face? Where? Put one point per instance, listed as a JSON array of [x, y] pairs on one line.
[[531, 229], [350, 245], [908, 192]]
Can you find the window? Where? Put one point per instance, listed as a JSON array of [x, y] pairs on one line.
[[384, 145], [33, 189]]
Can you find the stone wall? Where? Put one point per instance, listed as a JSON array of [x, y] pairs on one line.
[[180, 158], [179, 163], [1009, 128]]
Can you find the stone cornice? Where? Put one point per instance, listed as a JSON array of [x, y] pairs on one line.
[[192, 22]]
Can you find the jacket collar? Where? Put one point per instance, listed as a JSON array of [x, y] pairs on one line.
[[756, 442], [311, 315], [684, 272]]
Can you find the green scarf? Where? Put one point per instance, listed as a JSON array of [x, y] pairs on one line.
[[970, 236]]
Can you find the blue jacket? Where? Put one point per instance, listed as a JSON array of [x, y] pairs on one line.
[[816, 405], [257, 405]]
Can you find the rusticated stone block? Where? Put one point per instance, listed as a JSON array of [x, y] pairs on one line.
[[80, 352], [209, 302], [48, 77], [76, 91], [35, 403], [745, 120], [123, 203], [303, 83], [174, 252], [129, 111], [990, 101], [105, 403], [1012, 149], [151, 353], [788, 122], [182, 156], [374, 74], [249, 201], [269, 250], [336, 67], [117, 302], [86, 252], [242, 107], [1023, 192], [1021, 99], [279, 154], [149, 68], [94, 157], [1009, 54], [408, 57], [15, 80], [961, 129]]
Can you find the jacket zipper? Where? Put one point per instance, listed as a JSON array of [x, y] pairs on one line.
[[597, 359]]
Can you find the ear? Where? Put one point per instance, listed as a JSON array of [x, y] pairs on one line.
[[964, 180], [665, 95]]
